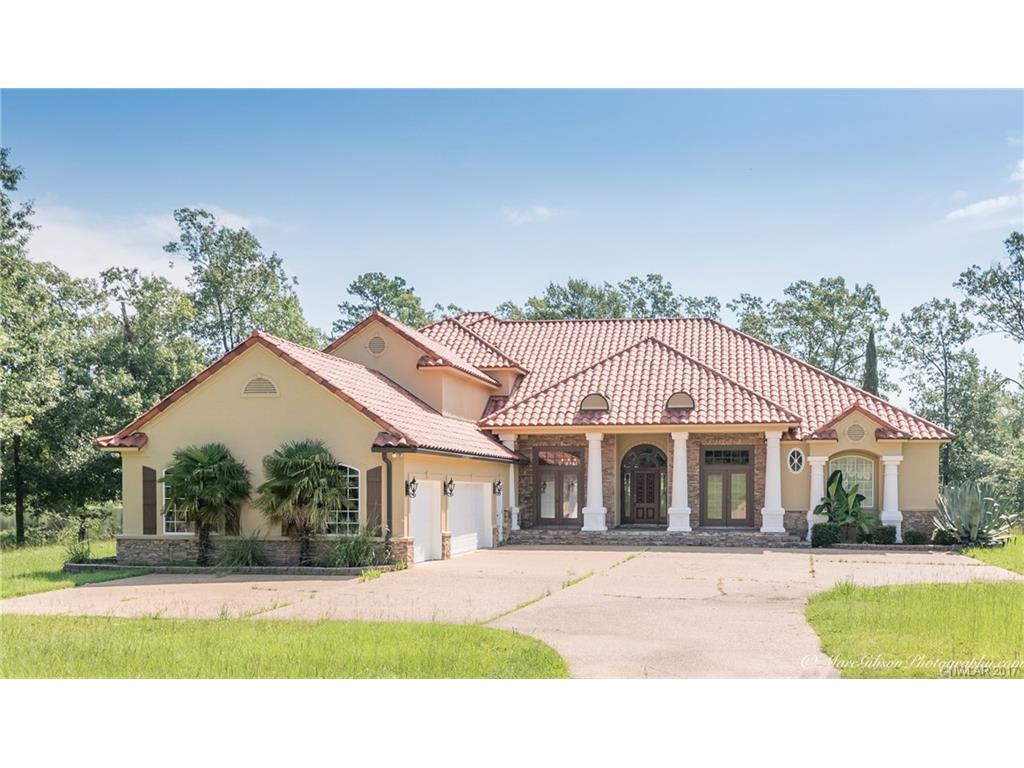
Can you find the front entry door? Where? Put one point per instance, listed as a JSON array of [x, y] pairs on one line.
[[727, 488], [645, 495]]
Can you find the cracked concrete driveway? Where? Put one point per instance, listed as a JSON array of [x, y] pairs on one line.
[[612, 612]]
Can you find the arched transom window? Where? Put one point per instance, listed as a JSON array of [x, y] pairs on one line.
[[859, 471]]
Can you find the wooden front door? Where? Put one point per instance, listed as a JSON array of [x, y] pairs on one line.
[[727, 487], [645, 495]]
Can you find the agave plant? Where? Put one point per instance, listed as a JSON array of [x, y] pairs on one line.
[[208, 485], [969, 513], [843, 505], [304, 483]]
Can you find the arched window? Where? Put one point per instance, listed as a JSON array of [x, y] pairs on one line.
[[859, 471], [594, 402], [680, 401], [345, 521]]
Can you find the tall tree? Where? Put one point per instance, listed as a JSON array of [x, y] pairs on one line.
[[235, 286], [870, 383], [996, 294], [653, 296], [390, 295], [825, 323]]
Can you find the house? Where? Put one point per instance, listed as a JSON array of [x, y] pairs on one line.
[[472, 429]]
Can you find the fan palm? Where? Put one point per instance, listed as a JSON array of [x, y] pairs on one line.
[[304, 484], [207, 485]]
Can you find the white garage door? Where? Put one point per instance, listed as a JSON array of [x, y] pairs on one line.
[[425, 522], [469, 517]]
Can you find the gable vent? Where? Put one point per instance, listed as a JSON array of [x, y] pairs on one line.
[[377, 345], [259, 386], [855, 433]]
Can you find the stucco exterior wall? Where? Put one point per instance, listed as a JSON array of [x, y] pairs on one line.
[[462, 397], [796, 487], [919, 477]]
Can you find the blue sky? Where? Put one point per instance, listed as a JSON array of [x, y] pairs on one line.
[[478, 197]]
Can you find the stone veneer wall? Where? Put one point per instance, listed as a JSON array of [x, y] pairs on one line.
[[919, 520], [693, 454], [156, 550], [524, 487]]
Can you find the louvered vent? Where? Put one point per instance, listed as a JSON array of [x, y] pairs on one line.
[[855, 433], [377, 345], [259, 386]]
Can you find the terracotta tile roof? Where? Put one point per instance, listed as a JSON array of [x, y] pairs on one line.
[[470, 345], [405, 420], [133, 440], [437, 354], [637, 383], [555, 350]]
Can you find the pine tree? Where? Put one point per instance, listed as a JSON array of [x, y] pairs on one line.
[[871, 365]]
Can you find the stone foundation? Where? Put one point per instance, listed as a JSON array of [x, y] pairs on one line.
[[631, 537], [401, 552], [446, 545], [919, 521], [165, 550]]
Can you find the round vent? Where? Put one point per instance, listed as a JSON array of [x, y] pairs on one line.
[[855, 432], [376, 346], [259, 386]]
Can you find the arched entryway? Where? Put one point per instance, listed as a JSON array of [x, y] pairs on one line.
[[644, 486]]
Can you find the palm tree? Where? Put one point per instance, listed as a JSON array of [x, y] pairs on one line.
[[207, 485], [304, 483]]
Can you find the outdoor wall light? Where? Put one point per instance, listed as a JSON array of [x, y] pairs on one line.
[[410, 488], [449, 487], [497, 487]]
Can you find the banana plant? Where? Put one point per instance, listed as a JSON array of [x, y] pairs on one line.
[[842, 505]]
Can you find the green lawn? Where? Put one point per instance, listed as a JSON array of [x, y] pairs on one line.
[[28, 570], [1010, 556], [917, 630], [66, 646]]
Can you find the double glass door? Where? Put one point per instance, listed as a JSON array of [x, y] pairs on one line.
[[727, 488], [558, 482]]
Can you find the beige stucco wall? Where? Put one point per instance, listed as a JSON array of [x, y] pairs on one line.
[[796, 488], [251, 428], [919, 476]]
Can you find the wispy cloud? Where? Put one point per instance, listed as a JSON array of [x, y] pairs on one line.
[[85, 243], [984, 208], [1018, 174], [529, 215]]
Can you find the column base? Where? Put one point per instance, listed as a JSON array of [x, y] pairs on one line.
[[772, 520], [513, 514], [679, 520], [895, 519], [595, 519], [813, 520]]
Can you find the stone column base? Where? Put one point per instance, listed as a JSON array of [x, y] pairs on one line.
[[679, 519], [514, 522], [772, 520], [894, 518], [401, 551], [446, 545], [595, 519]]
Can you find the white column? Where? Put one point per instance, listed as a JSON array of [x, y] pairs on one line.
[[679, 511], [594, 514], [891, 514], [773, 514], [509, 441], [817, 470]]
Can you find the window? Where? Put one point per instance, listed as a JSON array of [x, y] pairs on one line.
[[345, 521], [679, 401], [259, 386], [795, 460], [857, 471], [174, 520], [594, 402], [715, 456]]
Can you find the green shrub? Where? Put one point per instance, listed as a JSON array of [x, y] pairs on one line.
[[243, 552], [915, 537], [75, 550], [944, 538], [356, 551], [884, 534], [825, 534], [970, 514]]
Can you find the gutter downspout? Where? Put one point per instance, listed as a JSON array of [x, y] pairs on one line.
[[389, 502]]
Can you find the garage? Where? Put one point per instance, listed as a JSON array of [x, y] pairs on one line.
[[425, 521], [469, 517]]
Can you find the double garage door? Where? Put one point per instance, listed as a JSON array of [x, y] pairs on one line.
[[469, 519]]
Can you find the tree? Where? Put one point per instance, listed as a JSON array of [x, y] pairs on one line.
[[825, 323], [235, 286], [207, 485], [870, 383], [652, 296], [304, 483], [996, 294], [390, 295]]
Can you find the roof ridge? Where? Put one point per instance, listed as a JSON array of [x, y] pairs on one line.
[[837, 379], [515, 363]]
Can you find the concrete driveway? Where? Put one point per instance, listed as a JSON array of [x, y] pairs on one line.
[[612, 612]]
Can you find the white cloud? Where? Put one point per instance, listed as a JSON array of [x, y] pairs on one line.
[[988, 207], [84, 243], [528, 215], [1018, 174]]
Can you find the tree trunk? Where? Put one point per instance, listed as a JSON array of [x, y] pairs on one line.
[[19, 491], [203, 555]]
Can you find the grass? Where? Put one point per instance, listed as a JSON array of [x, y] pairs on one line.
[[103, 647], [923, 630], [28, 570], [1009, 556]]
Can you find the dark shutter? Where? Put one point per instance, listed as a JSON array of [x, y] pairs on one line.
[[373, 500], [148, 501]]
